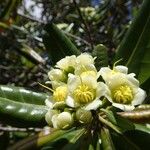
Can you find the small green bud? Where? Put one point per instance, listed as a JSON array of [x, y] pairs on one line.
[[84, 116]]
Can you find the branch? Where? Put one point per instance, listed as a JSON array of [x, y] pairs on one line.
[[84, 22]]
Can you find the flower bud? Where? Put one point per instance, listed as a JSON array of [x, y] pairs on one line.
[[49, 115], [57, 75], [63, 120], [84, 116]]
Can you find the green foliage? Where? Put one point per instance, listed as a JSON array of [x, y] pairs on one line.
[[135, 49], [23, 108], [57, 43], [20, 107]]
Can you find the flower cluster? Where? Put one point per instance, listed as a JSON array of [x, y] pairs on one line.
[[78, 87]]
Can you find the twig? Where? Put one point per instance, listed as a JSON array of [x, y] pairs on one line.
[[84, 22], [31, 18], [78, 38], [14, 129]]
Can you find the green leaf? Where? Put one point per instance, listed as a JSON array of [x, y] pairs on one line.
[[144, 73], [38, 140], [142, 128], [70, 140], [106, 140], [100, 52], [21, 107], [122, 142], [22, 95], [135, 47], [22, 114], [9, 6], [141, 139], [57, 43], [119, 121]]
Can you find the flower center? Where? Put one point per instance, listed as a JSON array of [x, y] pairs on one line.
[[60, 93], [123, 94], [83, 94]]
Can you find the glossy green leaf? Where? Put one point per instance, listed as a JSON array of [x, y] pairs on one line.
[[21, 107], [100, 52], [22, 95], [22, 114], [57, 43], [134, 48]]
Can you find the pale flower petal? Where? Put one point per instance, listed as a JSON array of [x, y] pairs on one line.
[[56, 75], [70, 102], [121, 69], [93, 105], [49, 103], [123, 106], [85, 59], [65, 63], [139, 97]]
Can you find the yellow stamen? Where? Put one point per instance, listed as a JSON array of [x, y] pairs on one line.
[[60, 94], [123, 94], [83, 94]]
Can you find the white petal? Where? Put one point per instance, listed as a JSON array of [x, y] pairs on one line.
[[85, 59], [105, 72], [49, 115], [70, 101], [90, 81], [123, 106], [102, 90], [48, 103], [116, 80], [73, 82], [54, 120], [133, 80], [121, 69], [93, 105], [139, 97]]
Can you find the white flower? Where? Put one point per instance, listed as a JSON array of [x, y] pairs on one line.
[[85, 91], [85, 63], [67, 64], [124, 91], [84, 59], [60, 93], [57, 75], [63, 120], [107, 73]]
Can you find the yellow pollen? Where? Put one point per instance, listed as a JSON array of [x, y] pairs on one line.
[[83, 94], [123, 94], [60, 94]]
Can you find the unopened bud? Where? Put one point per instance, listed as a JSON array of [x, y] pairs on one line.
[[63, 120], [84, 116]]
